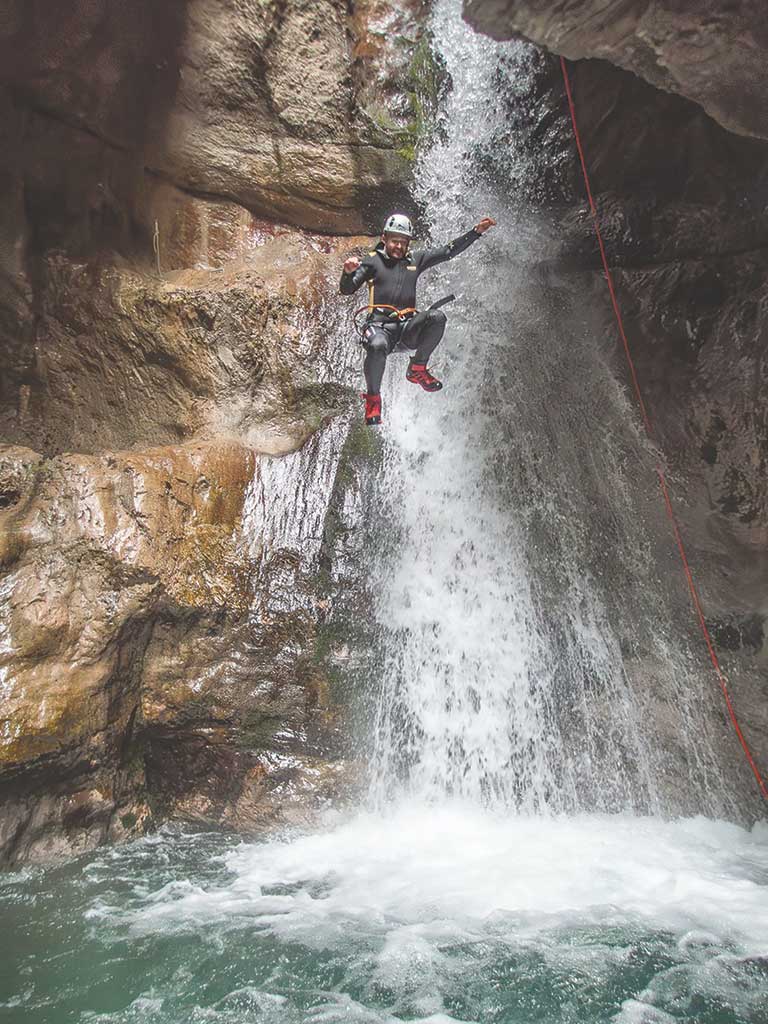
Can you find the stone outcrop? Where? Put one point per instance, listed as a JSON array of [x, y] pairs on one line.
[[90, 544], [140, 679], [109, 356], [705, 50], [157, 636], [249, 102]]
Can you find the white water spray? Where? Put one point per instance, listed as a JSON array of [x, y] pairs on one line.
[[508, 618], [460, 711]]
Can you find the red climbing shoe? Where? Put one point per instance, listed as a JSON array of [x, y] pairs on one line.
[[417, 373], [372, 409]]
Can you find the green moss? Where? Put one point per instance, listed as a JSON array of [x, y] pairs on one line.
[[424, 83], [347, 624], [128, 821], [331, 635], [363, 445], [427, 78], [134, 759], [257, 731]]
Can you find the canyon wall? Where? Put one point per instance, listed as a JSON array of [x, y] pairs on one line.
[[181, 182], [181, 463]]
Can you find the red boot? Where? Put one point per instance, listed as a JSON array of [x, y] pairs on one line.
[[372, 409], [417, 373]]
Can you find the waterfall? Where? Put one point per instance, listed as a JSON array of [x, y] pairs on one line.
[[536, 648], [534, 666]]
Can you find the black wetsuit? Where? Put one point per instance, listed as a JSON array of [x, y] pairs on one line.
[[393, 283]]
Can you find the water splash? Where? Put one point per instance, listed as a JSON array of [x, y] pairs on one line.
[[426, 913]]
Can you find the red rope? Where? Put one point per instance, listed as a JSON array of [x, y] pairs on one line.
[[649, 429]]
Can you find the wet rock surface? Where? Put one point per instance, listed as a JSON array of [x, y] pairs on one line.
[[160, 608], [249, 102], [112, 356], [90, 547], [160, 605], [707, 51], [159, 653], [175, 386]]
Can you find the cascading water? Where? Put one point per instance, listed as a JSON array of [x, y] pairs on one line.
[[287, 501], [530, 637], [522, 582], [461, 710]]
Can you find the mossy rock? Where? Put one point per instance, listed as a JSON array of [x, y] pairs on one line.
[[258, 731], [425, 83]]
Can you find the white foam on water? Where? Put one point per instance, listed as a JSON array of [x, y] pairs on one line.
[[426, 903], [423, 876]]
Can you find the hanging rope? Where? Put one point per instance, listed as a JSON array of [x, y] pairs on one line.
[[649, 430]]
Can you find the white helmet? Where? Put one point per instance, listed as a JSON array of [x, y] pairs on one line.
[[398, 223]]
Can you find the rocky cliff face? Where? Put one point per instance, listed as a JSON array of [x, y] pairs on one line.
[[251, 102], [679, 169], [178, 477], [708, 51], [175, 178]]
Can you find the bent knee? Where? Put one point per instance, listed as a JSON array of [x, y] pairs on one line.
[[437, 317], [376, 342]]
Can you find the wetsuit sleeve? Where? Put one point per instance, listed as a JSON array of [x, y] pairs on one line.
[[351, 282], [431, 257]]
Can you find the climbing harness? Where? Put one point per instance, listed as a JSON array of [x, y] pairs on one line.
[[395, 315], [651, 434]]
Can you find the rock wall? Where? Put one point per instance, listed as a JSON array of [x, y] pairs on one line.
[[180, 182], [709, 51], [251, 102], [136, 660], [681, 202]]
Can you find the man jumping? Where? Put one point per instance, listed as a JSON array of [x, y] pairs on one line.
[[392, 271]]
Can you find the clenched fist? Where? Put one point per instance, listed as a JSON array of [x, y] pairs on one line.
[[485, 223], [351, 265]]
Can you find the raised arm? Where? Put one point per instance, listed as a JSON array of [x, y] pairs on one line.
[[352, 276], [431, 257]]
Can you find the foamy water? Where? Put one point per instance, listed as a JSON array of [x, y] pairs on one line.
[[428, 914], [466, 868]]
